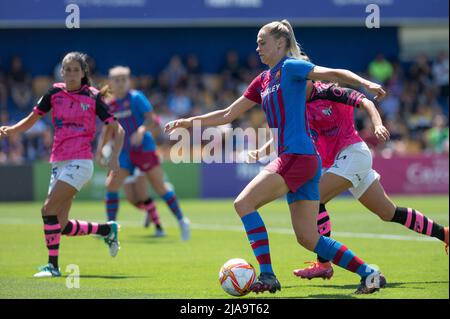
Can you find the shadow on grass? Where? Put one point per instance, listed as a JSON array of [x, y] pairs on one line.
[[389, 285], [152, 239], [316, 296]]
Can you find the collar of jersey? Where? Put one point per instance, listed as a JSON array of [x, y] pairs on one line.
[[75, 91], [278, 65], [124, 98]]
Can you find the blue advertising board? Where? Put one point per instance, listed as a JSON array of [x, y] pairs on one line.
[[114, 13]]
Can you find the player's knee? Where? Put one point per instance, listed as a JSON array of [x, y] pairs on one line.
[[306, 242], [242, 206], [46, 210]]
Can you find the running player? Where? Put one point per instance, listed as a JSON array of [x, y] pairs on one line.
[[135, 185], [134, 112], [347, 162], [281, 91], [136, 192], [74, 105]]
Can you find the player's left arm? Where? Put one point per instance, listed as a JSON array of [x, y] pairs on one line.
[[137, 137], [114, 129], [335, 93], [261, 152], [145, 107], [381, 132], [320, 73]]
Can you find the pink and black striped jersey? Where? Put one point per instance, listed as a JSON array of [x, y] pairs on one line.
[[73, 117], [330, 116]]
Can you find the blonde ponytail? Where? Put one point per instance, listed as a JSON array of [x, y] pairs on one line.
[[283, 29], [294, 50]]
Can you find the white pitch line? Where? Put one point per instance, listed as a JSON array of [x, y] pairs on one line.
[[335, 234], [235, 228]]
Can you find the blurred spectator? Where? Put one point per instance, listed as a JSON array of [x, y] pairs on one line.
[[440, 75], [390, 106], [380, 69], [420, 71], [175, 72], [3, 89], [37, 142], [231, 71], [437, 137], [19, 81], [415, 111], [179, 102]]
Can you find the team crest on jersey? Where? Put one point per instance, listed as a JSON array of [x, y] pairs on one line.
[[327, 111], [84, 106]]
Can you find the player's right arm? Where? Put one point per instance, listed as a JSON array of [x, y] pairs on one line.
[[22, 126], [251, 97], [220, 117], [44, 105]]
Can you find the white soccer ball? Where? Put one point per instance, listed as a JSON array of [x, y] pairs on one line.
[[106, 154], [236, 276]]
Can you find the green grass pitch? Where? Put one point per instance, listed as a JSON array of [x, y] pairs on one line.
[[149, 267]]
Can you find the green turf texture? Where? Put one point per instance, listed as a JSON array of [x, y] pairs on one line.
[[149, 267]]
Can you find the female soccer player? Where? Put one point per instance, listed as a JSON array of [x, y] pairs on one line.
[[134, 113], [75, 105], [136, 192], [135, 185], [347, 161], [281, 91]]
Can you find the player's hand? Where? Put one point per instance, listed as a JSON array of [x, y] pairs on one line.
[[6, 131], [136, 138], [381, 133], [252, 156], [377, 90], [100, 159], [181, 123]]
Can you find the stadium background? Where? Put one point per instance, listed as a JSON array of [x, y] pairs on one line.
[[148, 35], [201, 56]]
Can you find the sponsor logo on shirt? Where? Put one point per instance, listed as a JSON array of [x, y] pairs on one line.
[[122, 114], [58, 123], [327, 111], [330, 132], [269, 90]]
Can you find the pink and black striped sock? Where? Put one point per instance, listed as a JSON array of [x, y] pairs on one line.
[[323, 227], [415, 220], [52, 232], [149, 206], [81, 228]]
